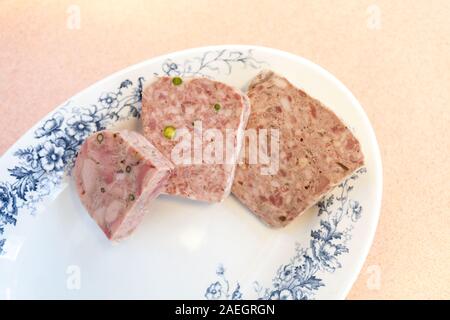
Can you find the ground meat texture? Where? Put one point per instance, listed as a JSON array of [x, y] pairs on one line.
[[178, 105], [117, 174], [317, 151]]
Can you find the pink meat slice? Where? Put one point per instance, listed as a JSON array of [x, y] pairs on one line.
[[117, 175], [316, 151], [184, 107]]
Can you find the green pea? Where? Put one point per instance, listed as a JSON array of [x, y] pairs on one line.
[[177, 81], [169, 132], [217, 107]]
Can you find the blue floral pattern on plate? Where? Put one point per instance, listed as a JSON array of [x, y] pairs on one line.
[[221, 288], [40, 167], [301, 277], [211, 62]]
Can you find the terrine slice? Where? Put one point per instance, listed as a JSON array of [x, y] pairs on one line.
[[198, 123], [316, 151], [117, 174]]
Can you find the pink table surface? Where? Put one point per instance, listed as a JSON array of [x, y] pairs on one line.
[[393, 55]]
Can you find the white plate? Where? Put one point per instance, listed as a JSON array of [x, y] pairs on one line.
[[50, 248]]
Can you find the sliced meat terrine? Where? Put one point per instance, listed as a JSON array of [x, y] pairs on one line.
[[316, 151], [117, 174], [205, 113]]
